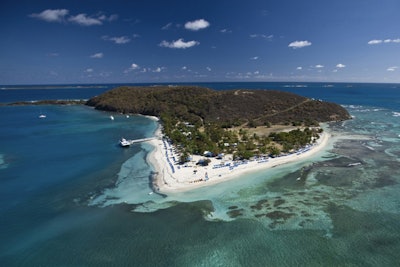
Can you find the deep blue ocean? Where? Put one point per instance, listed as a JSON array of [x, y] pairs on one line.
[[70, 196]]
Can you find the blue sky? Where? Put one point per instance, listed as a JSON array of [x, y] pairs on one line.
[[102, 41]]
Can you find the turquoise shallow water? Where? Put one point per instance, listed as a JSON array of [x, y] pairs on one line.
[[71, 197]]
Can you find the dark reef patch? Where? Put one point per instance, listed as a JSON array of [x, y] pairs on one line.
[[279, 215], [279, 202], [383, 181], [235, 213], [260, 204]]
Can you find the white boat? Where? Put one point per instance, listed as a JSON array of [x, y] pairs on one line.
[[42, 116], [112, 117], [124, 143]]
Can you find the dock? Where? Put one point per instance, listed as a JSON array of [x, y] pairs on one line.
[[126, 142]]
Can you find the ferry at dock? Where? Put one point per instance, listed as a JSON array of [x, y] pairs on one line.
[[124, 143]]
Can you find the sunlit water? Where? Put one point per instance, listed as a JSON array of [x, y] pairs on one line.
[[71, 196]]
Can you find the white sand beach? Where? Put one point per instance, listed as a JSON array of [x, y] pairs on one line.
[[171, 177]]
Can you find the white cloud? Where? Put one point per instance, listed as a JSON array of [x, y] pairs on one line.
[[89, 70], [225, 31], [167, 26], [51, 15], [386, 41], [97, 55], [254, 58], [120, 40], [299, 44], [264, 36], [340, 65], [208, 68], [59, 15], [133, 67], [117, 40], [179, 44], [110, 18], [374, 42], [319, 66], [299, 68], [197, 25], [184, 68], [394, 68], [158, 69], [84, 20]]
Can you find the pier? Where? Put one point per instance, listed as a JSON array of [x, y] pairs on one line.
[[126, 142]]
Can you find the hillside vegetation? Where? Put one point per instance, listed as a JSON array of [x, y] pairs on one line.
[[200, 120], [200, 106]]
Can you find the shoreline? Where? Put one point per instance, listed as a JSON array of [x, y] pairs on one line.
[[173, 178]]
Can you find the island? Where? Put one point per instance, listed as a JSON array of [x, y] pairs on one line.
[[208, 136]]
